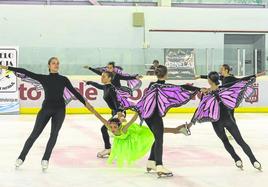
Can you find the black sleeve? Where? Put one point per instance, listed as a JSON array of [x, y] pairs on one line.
[[237, 80], [206, 77], [232, 79], [74, 91], [116, 102], [30, 74], [190, 88], [203, 76], [95, 70], [126, 77], [96, 85], [248, 77]]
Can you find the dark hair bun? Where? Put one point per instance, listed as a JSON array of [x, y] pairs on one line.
[[161, 71], [214, 77], [157, 72]]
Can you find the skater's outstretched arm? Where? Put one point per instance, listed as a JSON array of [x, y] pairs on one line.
[[30, 74], [128, 77], [96, 85], [134, 118], [98, 72], [193, 88], [243, 79], [206, 77], [92, 109], [175, 130], [74, 91]]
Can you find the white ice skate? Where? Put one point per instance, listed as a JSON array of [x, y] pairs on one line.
[[185, 130], [151, 166], [257, 165], [44, 164], [18, 163], [163, 172], [103, 154], [239, 164]]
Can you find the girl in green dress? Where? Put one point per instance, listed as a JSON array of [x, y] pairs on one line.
[[131, 141]]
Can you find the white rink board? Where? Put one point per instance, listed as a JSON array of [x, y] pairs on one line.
[[30, 99]]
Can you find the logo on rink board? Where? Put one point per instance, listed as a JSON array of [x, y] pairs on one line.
[[8, 57], [255, 97], [9, 98]]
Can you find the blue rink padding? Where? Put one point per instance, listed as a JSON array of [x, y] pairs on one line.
[[10, 108]]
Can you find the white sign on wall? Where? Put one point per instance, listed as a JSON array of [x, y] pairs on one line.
[[9, 100]]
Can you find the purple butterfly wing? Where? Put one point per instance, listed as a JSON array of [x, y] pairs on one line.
[[250, 90], [208, 110], [146, 105], [118, 69], [68, 96], [172, 96], [132, 84], [123, 96], [232, 96], [27, 79]]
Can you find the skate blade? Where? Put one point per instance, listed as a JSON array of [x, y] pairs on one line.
[[260, 169], [103, 156], [188, 131], [185, 131], [164, 175]]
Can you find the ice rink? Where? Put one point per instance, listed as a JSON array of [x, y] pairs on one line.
[[199, 160]]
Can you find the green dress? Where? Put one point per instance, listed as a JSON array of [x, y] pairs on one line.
[[132, 145]]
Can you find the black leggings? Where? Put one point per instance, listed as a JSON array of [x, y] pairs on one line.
[[105, 137], [231, 126], [57, 117], [155, 123], [105, 134]]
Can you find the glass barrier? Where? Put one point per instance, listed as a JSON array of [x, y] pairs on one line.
[[244, 61], [249, 2]]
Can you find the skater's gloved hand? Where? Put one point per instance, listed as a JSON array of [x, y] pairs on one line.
[[3, 67], [261, 74], [121, 117], [204, 90], [139, 77], [86, 67]]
